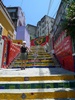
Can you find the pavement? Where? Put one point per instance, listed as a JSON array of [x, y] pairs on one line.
[[35, 72]]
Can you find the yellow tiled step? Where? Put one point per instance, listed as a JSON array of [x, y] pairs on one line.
[[40, 64], [19, 61], [32, 63], [22, 94], [40, 53], [41, 50], [33, 48], [40, 57], [37, 78]]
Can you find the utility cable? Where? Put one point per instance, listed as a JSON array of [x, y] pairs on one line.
[[55, 9], [49, 7]]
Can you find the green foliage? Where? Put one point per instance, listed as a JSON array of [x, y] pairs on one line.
[[69, 22], [71, 11]]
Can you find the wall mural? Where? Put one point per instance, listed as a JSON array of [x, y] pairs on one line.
[[40, 41]]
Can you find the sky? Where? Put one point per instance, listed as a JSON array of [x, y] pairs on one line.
[[34, 10]]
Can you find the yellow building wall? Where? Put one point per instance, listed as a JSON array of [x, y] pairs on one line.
[[17, 41], [5, 23], [5, 32]]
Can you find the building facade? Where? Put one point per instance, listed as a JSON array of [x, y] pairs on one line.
[[18, 18], [57, 29], [32, 31], [61, 13], [44, 26], [61, 42], [23, 34], [6, 22]]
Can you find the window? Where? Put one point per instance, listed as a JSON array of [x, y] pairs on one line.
[[43, 31], [9, 36], [11, 10], [0, 30], [43, 26]]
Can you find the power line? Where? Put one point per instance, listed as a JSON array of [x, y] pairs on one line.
[[49, 7], [56, 8], [52, 2], [2, 0]]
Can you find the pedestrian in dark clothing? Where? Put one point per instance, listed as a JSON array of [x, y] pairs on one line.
[[24, 54]]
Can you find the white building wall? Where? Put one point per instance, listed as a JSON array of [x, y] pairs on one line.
[[1, 51], [45, 26], [32, 31], [21, 17]]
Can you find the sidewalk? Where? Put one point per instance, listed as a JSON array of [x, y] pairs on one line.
[[35, 72]]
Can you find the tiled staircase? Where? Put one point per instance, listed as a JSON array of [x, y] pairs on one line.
[[37, 58], [41, 80]]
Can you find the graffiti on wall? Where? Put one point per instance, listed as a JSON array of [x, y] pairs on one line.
[[40, 41], [63, 51]]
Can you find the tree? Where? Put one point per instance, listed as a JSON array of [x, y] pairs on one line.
[[69, 21]]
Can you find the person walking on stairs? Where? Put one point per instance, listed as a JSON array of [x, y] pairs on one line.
[[24, 54]]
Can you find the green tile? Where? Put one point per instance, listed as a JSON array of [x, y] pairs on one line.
[[37, 85], [60, 85], [1, 84], [27, 86], [11, 86], [34, 86], [21, 86], [6, 86], [49, 85], [55, 85], [72, 84], [40, 85], [66, 85], [17, 86]]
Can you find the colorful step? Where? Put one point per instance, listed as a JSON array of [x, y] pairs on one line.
[[39, 81], [37, 78], [32, 94], [37, 85]]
